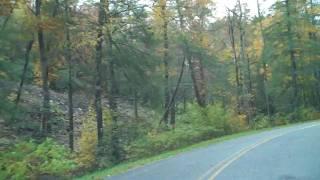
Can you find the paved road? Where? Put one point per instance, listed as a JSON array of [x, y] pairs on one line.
[[291, 153]]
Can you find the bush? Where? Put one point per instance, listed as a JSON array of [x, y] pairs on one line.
[[194, 115], [218, 117], [261, 121], [279, 119], [86, 155], [307, 113], [302, 114], [28, 160], [155, 143], [226, 120], [89, 155], [236, 123], [196, 125]]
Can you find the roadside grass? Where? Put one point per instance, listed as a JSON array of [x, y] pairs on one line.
[[131, 165]]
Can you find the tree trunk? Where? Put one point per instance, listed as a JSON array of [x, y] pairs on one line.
[[264, 64], [98, 76], [44, 74], [165, 62], [70, 106], [236, 61], [292, 58], [25, 69], [136, 115], [242, 36], [245, 59], [195, 64], [113, 101], [175, 92], [250, 92], [184, 100], [70, 75], [173, 114], [115, 148], [197, 76]]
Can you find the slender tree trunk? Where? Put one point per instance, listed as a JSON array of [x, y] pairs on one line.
[[113, 101], [173, 114], [70, 106], [242, 34], [25, 69], [197, 79], [113, 83], [264, 64], [184, 49], [244, 58], [197, 74], [195, 64], [70, 75], [250, 91], [203, 87], [98, 76], [172, 104], [136, 114], [304, 97], [292, 57], [202, 83], [184, 101], [236, 61], [249, 75], [114, 113], [165, 61], [44, 74], [175, 92], [313, 37]]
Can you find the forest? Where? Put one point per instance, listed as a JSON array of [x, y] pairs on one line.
[[89, 85]]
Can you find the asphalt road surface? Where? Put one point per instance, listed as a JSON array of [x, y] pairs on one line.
[[290, 153]]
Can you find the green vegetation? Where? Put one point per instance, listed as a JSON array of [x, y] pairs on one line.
[[29, 160], [124, 80]]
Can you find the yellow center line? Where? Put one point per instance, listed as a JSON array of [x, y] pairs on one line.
[[217, 169]]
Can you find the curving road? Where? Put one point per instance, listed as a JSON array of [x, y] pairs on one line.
[[291, 153]]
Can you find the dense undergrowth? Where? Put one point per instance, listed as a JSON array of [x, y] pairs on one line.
[[140, 139], [30, 160]]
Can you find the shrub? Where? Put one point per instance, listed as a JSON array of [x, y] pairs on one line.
[[236, 123], [218, 116], [194, 115], [307, 113], [86, 156], [154, 143], [281, 119], [261, 121], [196, 125], [28, 160], [89, 155], [301, 114], [226, 120]]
